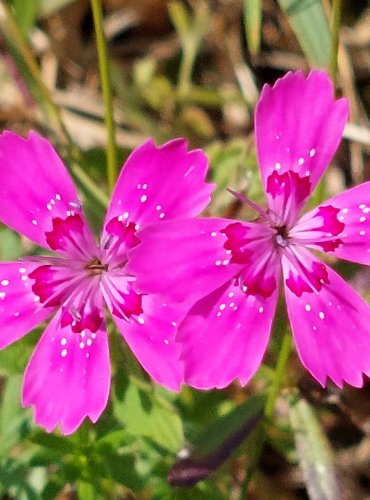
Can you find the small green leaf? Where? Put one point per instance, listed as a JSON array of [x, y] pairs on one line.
[[10, 248], [26, 12], [233, 166], [14, 358], [86, 491], [213, 446], [13, 419], [252, 24], [308, 21], [146, 415], [57, 443], [313, 449]]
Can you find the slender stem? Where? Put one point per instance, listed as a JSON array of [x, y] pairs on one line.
[[107, 93], [251, 204], [274, 389], [335, 28], [186, 69], [285, 349], [90, 185]]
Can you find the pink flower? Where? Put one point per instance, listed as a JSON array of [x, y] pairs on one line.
[[68, 376], [233, 268]]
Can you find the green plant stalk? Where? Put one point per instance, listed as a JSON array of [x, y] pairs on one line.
[[186, 68], [284, 353], [335, 29], [101, 45], [273, 392]]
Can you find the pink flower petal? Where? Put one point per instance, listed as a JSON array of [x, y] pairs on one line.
[[299, 125], [353, 215], [151, 337], [160, 183], [68, 377], [187, 260], [287, 193], [35, 186], [224, 336], [20, 309], [331, 329]]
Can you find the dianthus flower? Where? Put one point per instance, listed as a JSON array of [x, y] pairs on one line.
[[68, 376], [233, 268]]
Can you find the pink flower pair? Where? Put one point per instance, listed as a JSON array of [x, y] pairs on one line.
[[193, 298]]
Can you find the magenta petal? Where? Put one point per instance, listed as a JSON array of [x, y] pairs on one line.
[[160, 183], [299, 125], [331, 329], [224, 337], [68, 377], [183, 260], [151, 337], [20, 309], [35, 186], [354, 214]]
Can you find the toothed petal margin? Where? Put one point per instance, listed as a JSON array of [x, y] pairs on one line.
[[68, 377]]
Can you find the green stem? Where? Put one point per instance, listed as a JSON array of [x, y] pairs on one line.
[[186, 69], [286, 347], [274, 389], [335, 28], [90, 185], [107, 93]]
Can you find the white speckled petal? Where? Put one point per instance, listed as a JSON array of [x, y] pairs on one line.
[[68, 377], [299, 125], [20, 309], [35, 186], [331, 329], [160, 183], [151, 337], [224, 336], [354, 213]]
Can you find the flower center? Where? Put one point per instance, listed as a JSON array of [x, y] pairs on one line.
[[96, 268], [282, 236]]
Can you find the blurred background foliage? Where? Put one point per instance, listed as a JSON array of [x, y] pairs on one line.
[[194, 69]]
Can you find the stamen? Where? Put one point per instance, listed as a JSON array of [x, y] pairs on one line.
[[76, 315], [75, 204], [252, 205], [107, 241], [96, 267]]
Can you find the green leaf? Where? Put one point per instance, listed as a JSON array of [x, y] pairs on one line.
[[313, 449], [191, 27], [233, 166], [147, 415], [13, 419], [25, 12], [308, 21], [86, 491], [252, 24], [14, 358], [52, 488], [10, 248], [56, 443], [213, 446], [122, 469]]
